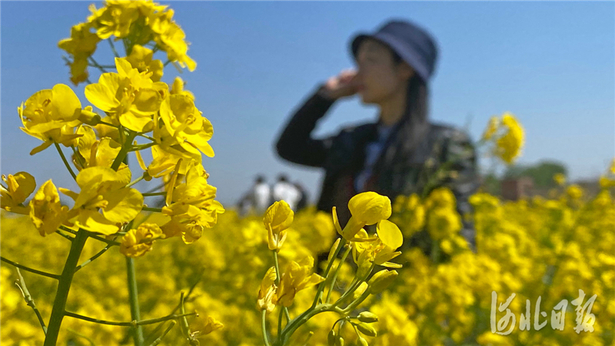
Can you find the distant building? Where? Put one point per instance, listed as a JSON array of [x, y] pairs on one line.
[[517, 188]]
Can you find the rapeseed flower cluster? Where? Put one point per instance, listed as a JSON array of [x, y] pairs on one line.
[[143, 26]]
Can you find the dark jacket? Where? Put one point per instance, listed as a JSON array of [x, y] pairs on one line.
[[400, 169]]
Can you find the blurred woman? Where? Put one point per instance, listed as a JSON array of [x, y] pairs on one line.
[[400, 152]]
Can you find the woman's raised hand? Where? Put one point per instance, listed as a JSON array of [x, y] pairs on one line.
[[344, 84]]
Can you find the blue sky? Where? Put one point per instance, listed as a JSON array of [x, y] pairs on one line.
[[552, 64]]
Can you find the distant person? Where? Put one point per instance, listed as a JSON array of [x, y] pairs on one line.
[[261, 194], [390, 155], [303, 196], [257, 199], [286, 191]]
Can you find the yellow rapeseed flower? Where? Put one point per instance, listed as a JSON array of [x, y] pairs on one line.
[[115, 18], [366, 208], [104, 190], [559, 178], [191, 204], [297, 277], [50, 116], [266, 291], [491, 129], [137, 242], [204, 325], [185, 123], [129, 95], [509, 145], [443, 222], [18, 187], [278, 217], [46, 211], [141, 58], [80, 45]]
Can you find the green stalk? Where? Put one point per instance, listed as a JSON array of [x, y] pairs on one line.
[[321, 287], [264, 327], [59, 304], [135, 312], [344, 256]]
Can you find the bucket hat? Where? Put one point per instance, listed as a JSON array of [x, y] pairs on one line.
[[413, 44]]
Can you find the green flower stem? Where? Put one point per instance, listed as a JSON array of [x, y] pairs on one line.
[[264, 327], [148, 137], [124, 151], [135, 313], [39, 272], [129, 324], [304, 317], [64, 235], [70, 170], [166, 331], [278, 276], [93, 63], [136, 181], [353, 287], [108, 124], [356, 303], [321, 287], [66, 229], [100, 253], [280, 323], [113, 48], [277, 267], [59, 304], [142, 146], [344, 256], [21, 284], [435, 252], [78, 156]]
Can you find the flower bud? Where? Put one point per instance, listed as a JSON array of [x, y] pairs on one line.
[[381, 280], [370, 207], [362, 341], [277, 219], [278, 216], [366, 329], [367, 317], [88, 117]]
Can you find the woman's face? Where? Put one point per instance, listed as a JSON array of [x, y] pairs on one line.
[[379, 77]]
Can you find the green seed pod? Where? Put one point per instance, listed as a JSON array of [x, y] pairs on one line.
[[359, 291], [333, 248], [367, 317], [366, 329]]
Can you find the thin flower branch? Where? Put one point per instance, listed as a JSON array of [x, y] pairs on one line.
[[39, 272], [129, 324], [70, 170], [100, 253], [21, 284]]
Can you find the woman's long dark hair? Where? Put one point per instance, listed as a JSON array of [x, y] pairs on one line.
[[415, 120], [416, 100]]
